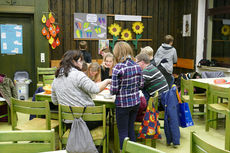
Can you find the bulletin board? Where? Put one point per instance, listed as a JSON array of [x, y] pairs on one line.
[[90, 26], [11, 39]]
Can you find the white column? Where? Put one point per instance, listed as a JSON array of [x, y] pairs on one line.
[[200, 31]]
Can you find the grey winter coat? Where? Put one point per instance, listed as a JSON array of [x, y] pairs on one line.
[[166, 52]]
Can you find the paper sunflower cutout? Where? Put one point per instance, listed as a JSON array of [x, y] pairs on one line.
[[138, 27], [126, 35], [225, 30], [114, 29]]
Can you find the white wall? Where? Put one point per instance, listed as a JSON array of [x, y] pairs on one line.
[[200, 31]]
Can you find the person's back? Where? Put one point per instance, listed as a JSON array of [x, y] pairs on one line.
[[86, 54], [69, 89], [166, 54], [154, 80]]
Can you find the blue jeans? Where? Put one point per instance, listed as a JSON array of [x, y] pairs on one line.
[[125, 122]]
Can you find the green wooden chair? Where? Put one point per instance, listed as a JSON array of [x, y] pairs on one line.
[[35, 108], [4, 103], [48, 79], [214, 105], [133, 147], [137, 125], [44, 71], [197, 145], [42, 141], [191, 97], [93, 113]]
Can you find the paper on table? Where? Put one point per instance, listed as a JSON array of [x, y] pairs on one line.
[[2, 99]]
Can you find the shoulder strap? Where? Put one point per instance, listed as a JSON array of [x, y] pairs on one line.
[[81, 114], [178, 96]]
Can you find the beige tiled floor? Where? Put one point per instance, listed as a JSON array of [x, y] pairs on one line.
[[215, 137]]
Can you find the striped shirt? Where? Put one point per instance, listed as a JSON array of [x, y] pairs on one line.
[[126, 81], [154, 80]]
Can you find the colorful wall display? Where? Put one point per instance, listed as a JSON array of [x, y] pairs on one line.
[[11, 39], [90, 26], [50, 30]]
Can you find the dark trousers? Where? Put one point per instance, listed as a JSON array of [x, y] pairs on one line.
[[125, 122]]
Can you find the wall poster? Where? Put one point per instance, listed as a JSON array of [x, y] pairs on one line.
[[90, 26], [11, 39], [187, 25]]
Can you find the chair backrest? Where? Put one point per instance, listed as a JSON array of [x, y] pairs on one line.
[[48, 79], [23, 138], [212, 74], [92, 113], [186, 85], [216, 92], [197, 145], [133, 147], [44, 71], [30, 107]]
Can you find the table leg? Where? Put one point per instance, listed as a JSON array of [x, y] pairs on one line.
[[227, 132]]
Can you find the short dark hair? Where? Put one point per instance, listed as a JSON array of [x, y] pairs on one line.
[[82, 45], [168, 39], [143, 57]]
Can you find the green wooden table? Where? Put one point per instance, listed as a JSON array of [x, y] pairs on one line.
[[210, 81]]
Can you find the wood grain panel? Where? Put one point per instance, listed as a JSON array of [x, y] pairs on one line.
[[167, 18]]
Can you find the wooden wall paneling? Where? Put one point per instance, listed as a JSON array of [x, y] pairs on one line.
[[194, 29], [134, 12], [60, 50], [105, 7], [150, 24], [139, 12], [178, 36], [123, 9], [145, 22], [92, 9], [171, 17], [160, 22], [72, 11], [98, 11], [110, 19], [155, 25], [66, 25]]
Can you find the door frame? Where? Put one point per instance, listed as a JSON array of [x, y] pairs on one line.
[[41, 45]]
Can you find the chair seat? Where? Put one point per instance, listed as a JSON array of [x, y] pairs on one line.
[[37, 124], [96, 133], [198, 98], [221, 107]]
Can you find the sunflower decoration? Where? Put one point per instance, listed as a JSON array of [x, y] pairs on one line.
[[114, 29], [126, 35], [225, 30], [138, 27]]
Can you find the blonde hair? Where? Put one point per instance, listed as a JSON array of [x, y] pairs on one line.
[[147, 50], [95, 67], [109, 55], [122, 50]]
